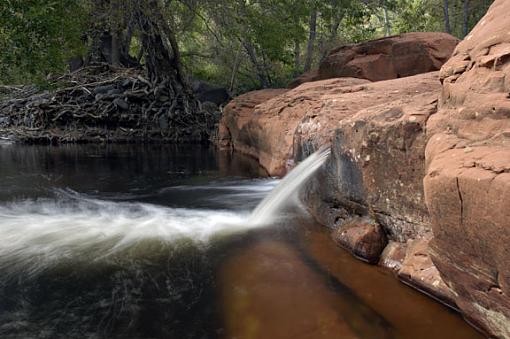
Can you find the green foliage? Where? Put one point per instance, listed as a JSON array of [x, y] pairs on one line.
[[239, 44], [37, 37], [417, 16]]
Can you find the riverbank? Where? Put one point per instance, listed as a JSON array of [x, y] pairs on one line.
[[100, 103]]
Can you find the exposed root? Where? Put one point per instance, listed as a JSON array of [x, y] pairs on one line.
[[100, 103]]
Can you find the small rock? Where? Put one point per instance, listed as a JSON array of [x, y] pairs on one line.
[[121, 103], [363, 237]]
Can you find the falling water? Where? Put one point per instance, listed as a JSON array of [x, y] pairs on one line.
[[36, 234], [286, 190]]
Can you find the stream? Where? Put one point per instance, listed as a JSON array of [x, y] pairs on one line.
[[159, 241]]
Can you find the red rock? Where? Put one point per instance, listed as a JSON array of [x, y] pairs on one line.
[[265, 129], [419, 272], [393, 256], [377, 163], [386, 136], [305, 77], [467, 185], [378, 136], [389, 58], [363, 237], [297, 121], [237, 115]]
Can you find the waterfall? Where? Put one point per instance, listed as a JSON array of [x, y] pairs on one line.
[[286, 190], [38, 233]]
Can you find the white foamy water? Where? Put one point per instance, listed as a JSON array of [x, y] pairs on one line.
[[286, 191], [37, 233]]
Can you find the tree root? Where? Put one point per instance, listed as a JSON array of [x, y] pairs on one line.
[[103, 104]]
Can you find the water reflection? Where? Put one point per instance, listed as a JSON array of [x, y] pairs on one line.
[[268, 291], [296, 283]]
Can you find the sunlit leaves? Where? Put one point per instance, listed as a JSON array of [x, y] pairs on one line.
[[37, 36]]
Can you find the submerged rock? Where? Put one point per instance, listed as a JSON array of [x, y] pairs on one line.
[[393, 256]]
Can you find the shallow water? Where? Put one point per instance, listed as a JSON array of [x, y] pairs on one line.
[[153, 242]]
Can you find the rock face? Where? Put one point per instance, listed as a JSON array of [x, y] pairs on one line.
[[377, 132], [419, 272], [467, 185], [419, 174], [389, 58], [236, 125], [296, 122], [262, 123], [377, 161], [376, 172]]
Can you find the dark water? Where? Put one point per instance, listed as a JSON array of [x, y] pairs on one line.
[[152, 242]]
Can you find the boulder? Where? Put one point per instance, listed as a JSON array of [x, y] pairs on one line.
[[75, 63], [467, 184], [205, 92], [389, 58], [234, 129], [393, 256], [305, 77], [363, 237]]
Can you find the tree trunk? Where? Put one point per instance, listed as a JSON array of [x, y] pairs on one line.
[[108, 44], [162, 59], [333, 30], [466, 17], [252, 55], [162, 56], [235, 69], [311, 40], [297, 57], [179, 114], [386, 20], [446, 11], [116, 47]]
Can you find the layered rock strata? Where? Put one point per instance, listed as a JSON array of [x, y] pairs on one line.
[[467, 186]]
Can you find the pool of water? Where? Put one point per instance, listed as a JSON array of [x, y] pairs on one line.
[[153, 242]]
